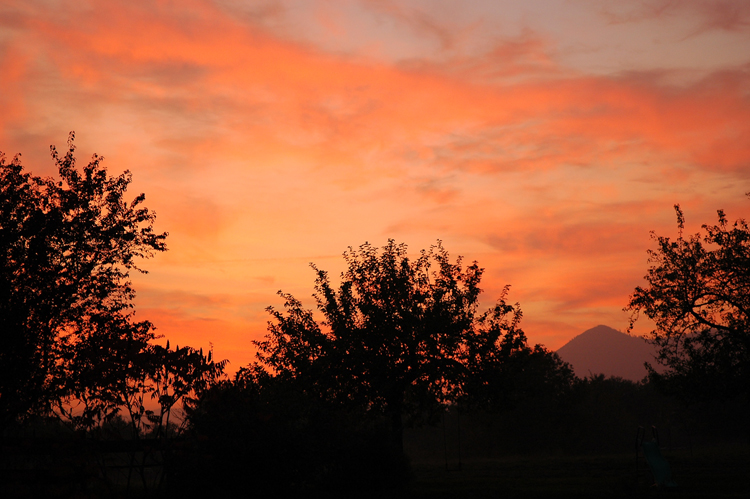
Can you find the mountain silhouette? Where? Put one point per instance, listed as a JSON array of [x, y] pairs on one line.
[[603, 350]]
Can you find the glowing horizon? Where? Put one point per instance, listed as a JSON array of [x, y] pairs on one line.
[[543, 139]]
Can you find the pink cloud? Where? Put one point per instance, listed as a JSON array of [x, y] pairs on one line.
[[705, 15]]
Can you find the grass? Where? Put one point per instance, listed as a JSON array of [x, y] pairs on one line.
[[707, 473]]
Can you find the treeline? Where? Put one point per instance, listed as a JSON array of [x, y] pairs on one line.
[[258, 435], [292, 442], [597, 415]]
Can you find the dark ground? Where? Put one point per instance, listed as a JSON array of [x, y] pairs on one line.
[[710, 472], [718, 472]]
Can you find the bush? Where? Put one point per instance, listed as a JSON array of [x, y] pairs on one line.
[[274, 439]]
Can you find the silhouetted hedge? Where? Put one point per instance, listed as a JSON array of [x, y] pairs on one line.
[[279, 441], [597, 415]]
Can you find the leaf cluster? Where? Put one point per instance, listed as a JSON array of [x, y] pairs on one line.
[[71, 346], [698, 296]]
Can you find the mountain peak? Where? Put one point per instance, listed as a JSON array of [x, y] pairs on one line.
[[604, 350]]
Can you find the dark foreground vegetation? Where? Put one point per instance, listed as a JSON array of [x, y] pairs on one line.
[[396, 385], [280, 443], [706, 473]]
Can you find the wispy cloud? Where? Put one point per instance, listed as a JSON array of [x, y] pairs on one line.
[[703, 15]]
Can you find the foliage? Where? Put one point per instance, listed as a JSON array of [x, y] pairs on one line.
[[698, 296], [145, 375], [263, 433], [399, 336], [67, 249], [72, 350], [591, 415], [505, 370], [159, 375]]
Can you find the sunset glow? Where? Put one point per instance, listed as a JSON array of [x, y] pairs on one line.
[[544, 139]]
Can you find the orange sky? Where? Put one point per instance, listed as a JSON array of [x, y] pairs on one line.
[[544, 139]]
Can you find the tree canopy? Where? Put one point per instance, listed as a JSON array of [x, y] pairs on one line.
[[698, 295], [398, 336], [67, 247]]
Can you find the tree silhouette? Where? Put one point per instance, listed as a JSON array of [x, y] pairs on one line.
[[505, 370], [397, 336], [698, 296], [66, 249]]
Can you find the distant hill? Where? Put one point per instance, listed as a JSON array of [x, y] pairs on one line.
[[603, 350]]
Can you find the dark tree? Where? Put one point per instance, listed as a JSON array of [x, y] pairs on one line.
[[505, 371], [67, 246], [698, 295], [398, 336]]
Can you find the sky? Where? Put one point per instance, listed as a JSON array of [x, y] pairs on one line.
[[544, 139]]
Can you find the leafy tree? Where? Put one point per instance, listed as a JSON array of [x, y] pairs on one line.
[[398, 336], [66, 249], [698, 295], [505, 370]]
